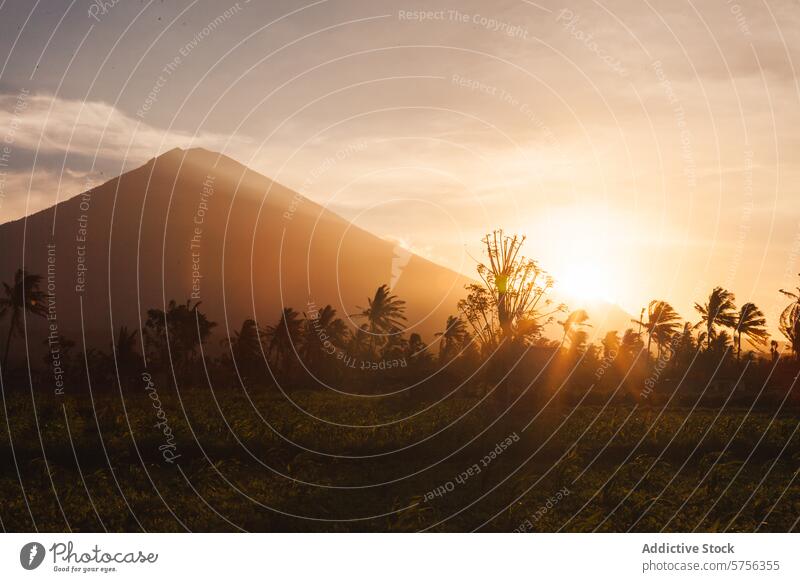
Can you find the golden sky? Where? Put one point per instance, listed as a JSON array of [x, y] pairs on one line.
[[648, 149]]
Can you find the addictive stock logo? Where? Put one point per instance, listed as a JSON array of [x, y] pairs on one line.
[[31, 555]]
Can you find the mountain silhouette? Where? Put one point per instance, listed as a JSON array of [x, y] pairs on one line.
[[197, 224]]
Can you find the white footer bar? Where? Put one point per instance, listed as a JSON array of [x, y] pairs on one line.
[[401, 557]]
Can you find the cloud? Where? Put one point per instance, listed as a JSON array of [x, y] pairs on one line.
[[50, 124], [84, 138]]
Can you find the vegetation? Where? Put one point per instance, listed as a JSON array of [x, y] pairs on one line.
[[308, 425]]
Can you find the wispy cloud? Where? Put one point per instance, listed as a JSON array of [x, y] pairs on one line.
[[96, 129], [89, 134]]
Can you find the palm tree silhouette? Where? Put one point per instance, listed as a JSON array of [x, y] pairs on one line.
[[245, 344], [179, 331], [750, 322], [611, 345], [384, 315], [418, 349], [123, 363], [322, 331], [284, 336], [790, 320], [720, 343], [719, 310], [662, 321], [23, 295], [573, 327], [683, 342], [125, 348], [453, 336]]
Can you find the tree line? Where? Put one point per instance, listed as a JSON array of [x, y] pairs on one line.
[[505, 313]]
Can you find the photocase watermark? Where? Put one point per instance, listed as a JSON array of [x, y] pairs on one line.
[[66, 559], [31, 555], [206, 192], [9, 137], [474, 470], [171, 67], [452, 15], [544, 509], [569, 22], [96, 559], [99, 8], [169, 448]]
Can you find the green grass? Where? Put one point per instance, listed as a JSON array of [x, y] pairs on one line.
[[643, 468]]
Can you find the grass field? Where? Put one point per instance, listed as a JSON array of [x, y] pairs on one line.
[[262, 462]]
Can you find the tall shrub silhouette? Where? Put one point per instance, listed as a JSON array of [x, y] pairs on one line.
[[176, 334], [511, 303], [21, 296], [246, 347], [790, 321], [284, 338], [452, 338]]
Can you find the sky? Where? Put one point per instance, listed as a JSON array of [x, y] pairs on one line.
[[648, 149]]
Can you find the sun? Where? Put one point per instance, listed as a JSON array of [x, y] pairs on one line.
[[591, 251], [586, 280]]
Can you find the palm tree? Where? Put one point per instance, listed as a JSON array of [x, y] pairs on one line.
[[418, 349], [721, 343], [323, 333], [180, 330], [284, 335], [662, 321], [128, 360], [631, 341], [573, 327], [23, 295], [453, 336], [245, 344], [719, 310], [384, 315], [394, 347], [684, 343], [750, 322], [790, 320], [611, 345]]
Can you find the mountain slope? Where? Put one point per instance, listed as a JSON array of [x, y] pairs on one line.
[[196, 224]]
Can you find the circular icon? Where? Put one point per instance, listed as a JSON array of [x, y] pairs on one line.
[[31, 555]]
